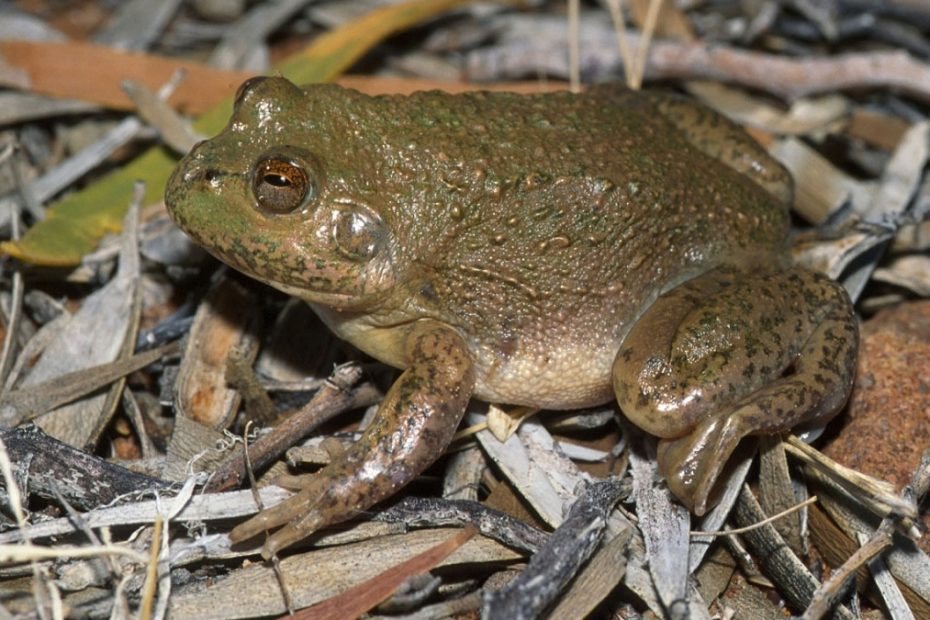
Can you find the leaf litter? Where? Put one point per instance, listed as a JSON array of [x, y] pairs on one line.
[[571, 516]]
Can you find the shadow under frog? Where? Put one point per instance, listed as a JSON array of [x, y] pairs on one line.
[[556, 251]]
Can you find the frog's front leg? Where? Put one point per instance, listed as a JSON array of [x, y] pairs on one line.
[[730, 354], [412, 428]]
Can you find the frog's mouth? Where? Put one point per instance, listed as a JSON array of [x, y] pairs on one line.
[[298, 269], [337, 301]]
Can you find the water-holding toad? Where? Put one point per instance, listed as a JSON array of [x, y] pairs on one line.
[[555, 250]]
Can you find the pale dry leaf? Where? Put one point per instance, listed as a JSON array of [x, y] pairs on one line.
[[665, 524], [96, 334], [319, 574]]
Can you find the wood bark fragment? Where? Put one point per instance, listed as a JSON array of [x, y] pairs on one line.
[[776, 492], [595, 581], [335, 397], [227, 320]]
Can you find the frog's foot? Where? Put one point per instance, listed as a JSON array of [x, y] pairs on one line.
[[412, 428], [335, 451], [691, 465], [723, 357], [325, 498], [293, 483]]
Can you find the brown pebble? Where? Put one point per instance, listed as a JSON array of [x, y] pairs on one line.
[[887, 424]]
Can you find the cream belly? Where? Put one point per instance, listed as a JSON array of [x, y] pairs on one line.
[[563, 377]]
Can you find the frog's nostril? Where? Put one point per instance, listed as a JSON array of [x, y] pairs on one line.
[[210, 175]]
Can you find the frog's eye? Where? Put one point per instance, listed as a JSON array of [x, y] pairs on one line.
[[281, 185]]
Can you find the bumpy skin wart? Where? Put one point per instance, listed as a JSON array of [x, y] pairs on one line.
[[553, 250]]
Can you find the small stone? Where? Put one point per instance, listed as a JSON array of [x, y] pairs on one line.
[[887, 424]]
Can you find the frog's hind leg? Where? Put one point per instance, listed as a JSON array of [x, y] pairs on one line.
[[413, 426], [725, 141], [731, 354]]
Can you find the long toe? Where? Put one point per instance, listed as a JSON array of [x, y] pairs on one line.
[[292, 508]]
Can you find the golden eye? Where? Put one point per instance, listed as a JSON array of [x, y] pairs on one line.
[[280, 185]]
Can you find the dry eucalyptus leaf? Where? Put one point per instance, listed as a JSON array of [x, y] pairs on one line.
[[638, 579], [529, 461], [137, 23], [17, 107], [891, 594], [205, 507], [902, 175], [912, 238], [501, 424], [29, 402], [832, 254], [96, 334], [911, 271], [316, 575], [713, 521], [582, 453], [463, 474]]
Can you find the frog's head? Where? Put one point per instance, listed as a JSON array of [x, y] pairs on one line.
[[271, 196]]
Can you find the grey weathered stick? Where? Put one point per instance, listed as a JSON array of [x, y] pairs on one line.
[[434, 512], [70, 170], [779, 563], [785, 77], [85, 480], [833, 588], [554, 566]]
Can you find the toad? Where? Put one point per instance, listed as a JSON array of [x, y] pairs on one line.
[[556, 251]]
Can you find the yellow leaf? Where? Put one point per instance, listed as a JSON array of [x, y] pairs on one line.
[[75, 224]]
